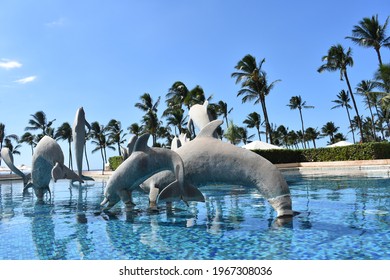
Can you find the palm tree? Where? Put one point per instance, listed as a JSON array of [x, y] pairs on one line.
[[339, 137], [28, 138], [175, 117], [312, 134], [292, 137], [297, 103], [39, 121], [343, 101], [177, 94], [115, 134], [6, 138], [64, 132], [99, 136], [329, 129], [254, 120], [232, 133], [13, 149], [337, 59], [224, 111], [135, 129], [245, 138], [366, 88], [150, 119], [254, 86], [370, 34]]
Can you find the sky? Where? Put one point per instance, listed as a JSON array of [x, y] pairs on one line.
[[57, 56]]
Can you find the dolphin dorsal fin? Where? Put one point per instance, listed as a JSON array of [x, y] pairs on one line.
[[131, 144], [210, 128], [142, 143]]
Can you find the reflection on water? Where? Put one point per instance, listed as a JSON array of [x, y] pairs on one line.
[[337, 218]]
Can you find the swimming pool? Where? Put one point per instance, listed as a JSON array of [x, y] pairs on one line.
[[339, 218]]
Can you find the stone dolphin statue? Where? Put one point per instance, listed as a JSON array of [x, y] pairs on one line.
[[8, 158], [209, 161], [78, 133], [142, 164], [47, 164], [199, 116]]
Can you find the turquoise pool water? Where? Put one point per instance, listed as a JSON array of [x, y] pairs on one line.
[[339, 218]]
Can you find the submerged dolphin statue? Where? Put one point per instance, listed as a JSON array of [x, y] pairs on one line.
[[8, 158], [48, 163], [142, 164], [78, 133], [209, 161]]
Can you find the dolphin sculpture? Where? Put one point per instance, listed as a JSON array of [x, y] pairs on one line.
[[48, 163], [139, 166], [8, 158], [198, 116], [78, 133], [209, 161]]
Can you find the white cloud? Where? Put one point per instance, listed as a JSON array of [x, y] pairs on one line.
[[26, 80], [56, 23], [9, 64]]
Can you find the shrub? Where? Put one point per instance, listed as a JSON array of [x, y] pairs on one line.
[[114, 162], [365, 151]]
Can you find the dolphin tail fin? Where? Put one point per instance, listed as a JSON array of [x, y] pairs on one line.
[[170, 193], [84, 178], [192, 193]]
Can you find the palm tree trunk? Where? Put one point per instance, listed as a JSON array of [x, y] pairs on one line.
[[258, 133], [267, 125], [379, 56], [70, 156], [355, 106], [350, 124], [303, 129], [372, 118], [101, 152]]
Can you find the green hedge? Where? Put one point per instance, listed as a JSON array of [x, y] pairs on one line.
[[365, 151], [115, 162]]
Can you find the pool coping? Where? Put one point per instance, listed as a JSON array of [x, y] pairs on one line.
[[380, 167]]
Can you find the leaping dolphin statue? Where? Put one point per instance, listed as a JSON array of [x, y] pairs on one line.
[[78, 133], [8, 158], [48, 163], [209, 161], [142, 164]]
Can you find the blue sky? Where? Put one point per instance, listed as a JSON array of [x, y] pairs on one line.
[[56, 56]]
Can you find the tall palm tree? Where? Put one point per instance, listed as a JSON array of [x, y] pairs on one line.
[[13, 149], [338, 60], [175, 117], [366, 88], [64, 132], [99, 136], [224, 111], [297, 103], [312, 134], [115, 134], [254, 86], [39, 121], [28, 138], [177, 94], [254, 120], [150, 119], [329, 129], [343, 101], [370, 34]]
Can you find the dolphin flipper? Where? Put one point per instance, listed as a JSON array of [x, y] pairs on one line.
[[192, 193], [60, 171], [170, 193]]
